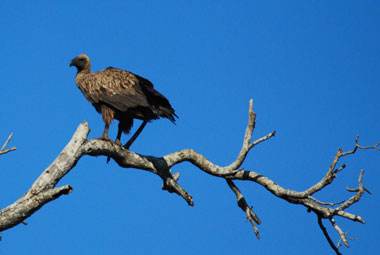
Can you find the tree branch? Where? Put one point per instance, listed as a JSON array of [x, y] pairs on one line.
[[43, 189], [242, 203], [324, 230], [2, 150]]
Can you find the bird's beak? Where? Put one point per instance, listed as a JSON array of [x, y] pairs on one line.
[[72, 62]]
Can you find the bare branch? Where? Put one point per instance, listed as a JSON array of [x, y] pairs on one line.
[[339, 169], [331, 173], [356, 197], [341, 233], [262, 139], [327, 236], [376, 146], [326, 203], [346, 237], [2, 151], [328, 178], [44, 188], [251, 216]]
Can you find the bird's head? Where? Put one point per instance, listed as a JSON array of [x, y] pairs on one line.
[[81, 62]]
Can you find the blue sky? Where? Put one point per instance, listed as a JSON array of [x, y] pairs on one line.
[[311, 67]]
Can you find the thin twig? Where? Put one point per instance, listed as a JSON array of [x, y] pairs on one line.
[[2, 151], [376, 146], [341, 233], [262, 139], [340, 240], [331, 173], [326, 203], [356, 197], [339, 169], [327, 236]]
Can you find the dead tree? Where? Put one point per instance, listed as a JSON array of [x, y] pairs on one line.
[[44, 189]]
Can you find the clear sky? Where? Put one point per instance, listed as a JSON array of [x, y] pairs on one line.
[[311, 67]]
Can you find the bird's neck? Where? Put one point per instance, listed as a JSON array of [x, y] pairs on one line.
[[81, 74], [85, 70]]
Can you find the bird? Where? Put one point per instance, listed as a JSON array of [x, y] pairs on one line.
[[121, 95]]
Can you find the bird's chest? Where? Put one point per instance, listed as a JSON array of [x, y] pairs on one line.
[[89, 87]]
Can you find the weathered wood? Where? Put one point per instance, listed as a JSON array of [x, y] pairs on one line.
[[44, 191]]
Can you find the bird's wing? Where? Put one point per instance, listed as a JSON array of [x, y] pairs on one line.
[[124, 90], [118, 88]]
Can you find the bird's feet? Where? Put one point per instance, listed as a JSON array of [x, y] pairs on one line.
[[104, 138]]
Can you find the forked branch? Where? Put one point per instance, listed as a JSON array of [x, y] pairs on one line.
[[3, 150], [44, 188]]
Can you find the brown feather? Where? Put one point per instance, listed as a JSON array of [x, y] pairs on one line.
[[121, 95]]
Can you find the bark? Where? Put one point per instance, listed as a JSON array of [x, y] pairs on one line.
[[44, 189]]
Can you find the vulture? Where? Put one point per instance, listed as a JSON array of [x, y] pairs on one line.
[[121, 95]]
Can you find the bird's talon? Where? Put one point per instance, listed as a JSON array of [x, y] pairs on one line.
[[107, 139]]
